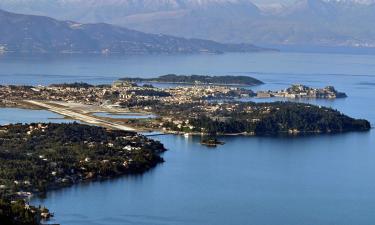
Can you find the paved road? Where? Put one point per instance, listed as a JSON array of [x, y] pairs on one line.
[[80, 116]]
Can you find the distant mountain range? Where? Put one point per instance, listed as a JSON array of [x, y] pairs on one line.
[[306, 22], [21, 33]]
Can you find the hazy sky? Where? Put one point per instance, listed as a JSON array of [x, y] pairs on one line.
[[272, 1]]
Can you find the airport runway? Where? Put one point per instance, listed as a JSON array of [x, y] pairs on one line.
[[80, 116]]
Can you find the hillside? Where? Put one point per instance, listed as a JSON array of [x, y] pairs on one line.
[[38, 34], [199, 80], [306, 22]]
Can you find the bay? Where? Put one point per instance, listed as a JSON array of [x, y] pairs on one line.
[[315, 180], [16, 115]]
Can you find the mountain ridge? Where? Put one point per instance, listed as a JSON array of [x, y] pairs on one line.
[[306, 22], [40, 34]]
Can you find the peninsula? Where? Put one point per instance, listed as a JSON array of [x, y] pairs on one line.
[[197, 80], [201, 109], [35, 158], [302, 91]]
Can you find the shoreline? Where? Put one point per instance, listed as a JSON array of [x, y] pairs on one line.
[[42, 195], [142, 155], [113, 123], [200, 84], [280, 134]]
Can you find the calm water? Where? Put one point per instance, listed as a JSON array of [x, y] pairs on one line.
[[14, 115], [319, 180]]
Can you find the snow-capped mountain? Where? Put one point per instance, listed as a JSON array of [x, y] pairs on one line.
[[115, 11], [305, 9], [360, 2]]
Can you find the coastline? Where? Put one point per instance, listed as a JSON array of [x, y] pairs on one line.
[[200, 84], [253, 175], [91, 180], [122, 124], [281, 134], [133, 154]]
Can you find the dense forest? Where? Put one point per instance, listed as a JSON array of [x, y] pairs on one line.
[[35, 158], [18, 213], [38, 157], [261, 119], [199, 79]]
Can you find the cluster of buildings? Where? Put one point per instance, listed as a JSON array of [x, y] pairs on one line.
[[51, 93], [119, 92], [188, 94], [302, 91], [174, 104]]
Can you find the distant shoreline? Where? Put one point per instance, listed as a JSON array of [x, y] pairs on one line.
[[195, 79], [199, 84]]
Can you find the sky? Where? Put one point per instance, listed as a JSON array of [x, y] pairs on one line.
[[273, 1]]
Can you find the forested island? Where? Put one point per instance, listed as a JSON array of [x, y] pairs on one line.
[[198, 79], [211, 141], [35, 158]]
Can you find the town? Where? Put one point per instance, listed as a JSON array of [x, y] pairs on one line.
[[302, 91], [112, 147], [121, 91], [188, 109]]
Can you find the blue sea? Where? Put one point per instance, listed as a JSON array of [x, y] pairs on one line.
[[314, 180]]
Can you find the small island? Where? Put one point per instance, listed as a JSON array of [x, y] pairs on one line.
[[36, 158], [197, 80], [211, 141]]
